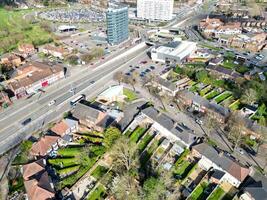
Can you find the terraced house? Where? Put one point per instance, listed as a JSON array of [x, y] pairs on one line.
[[212, 158], [34, 76]]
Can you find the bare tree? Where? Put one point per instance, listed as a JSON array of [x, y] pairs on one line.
[[132, 80], [126, 187], [249, 96], [125, 156], [236, 126], [118, 76]]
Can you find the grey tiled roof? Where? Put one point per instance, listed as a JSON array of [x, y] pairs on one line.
[[205, 103], [168, 84], [257, 186], [223, 161], [82, 112], [179, 131]]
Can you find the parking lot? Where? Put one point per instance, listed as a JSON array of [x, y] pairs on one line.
[[147, 67], [82, 43], [73, 15]]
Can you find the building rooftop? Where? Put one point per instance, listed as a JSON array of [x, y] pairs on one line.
[[177, 48], [39, 187], [31, 73], [33, 168], [223, 161], [168, 123], [43, 145], [60, 128]]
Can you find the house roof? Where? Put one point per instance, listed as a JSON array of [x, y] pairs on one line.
[[106, 122], [256, 186], [33, 168], [31, 73], [82, 112], [165, 83], [55, 49], [70, 122], [217, 174], [39, 188], [225, 71], [168, 123], [43, 145], [223, 161], [60, 128]]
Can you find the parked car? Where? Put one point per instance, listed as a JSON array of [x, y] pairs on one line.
[[198, 121], [152, 67], [51, 102], [26, 121]]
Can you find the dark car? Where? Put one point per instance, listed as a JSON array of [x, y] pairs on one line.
[[26, 121], [148, 70], [128, 74], [152, 67], [92, 82], [132, 70], [137, 67]]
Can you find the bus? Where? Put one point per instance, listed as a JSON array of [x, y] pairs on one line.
[[77, 99]]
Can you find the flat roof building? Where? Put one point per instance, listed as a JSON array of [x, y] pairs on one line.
[[117, 24], [173, 52], [155, 9]]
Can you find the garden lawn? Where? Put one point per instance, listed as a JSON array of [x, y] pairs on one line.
[[99, 171], [222, 96], [97, 193], [71, 180], [131, 95], [211, 94], [68, 170], [147, 154], [137, 134], [229, 64], [235, 105], [69, 152], [218, 193], [63, 162], [198, 191], [211, 47], [144, 142], [205, 90], [181, 169]]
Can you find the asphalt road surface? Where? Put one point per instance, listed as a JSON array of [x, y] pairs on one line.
[[89, 83]]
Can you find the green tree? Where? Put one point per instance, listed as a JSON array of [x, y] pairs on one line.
[[154, 189], [111, 134]]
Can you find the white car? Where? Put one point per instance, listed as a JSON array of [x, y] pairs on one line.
[[198, 121], [51, 102]]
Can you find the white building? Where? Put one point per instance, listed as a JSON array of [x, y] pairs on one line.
[[173, 52], [155, 9]]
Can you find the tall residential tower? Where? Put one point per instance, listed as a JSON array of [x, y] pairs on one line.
[[155, 9], [117, 24]]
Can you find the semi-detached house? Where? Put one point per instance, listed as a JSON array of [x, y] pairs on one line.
[[34, 76], [211, 158]]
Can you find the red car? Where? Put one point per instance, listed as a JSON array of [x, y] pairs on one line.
[[144, 62]]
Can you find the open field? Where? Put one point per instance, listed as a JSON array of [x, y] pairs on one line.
[[14, 29]]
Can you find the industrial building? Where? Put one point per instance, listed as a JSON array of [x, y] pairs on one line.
[[176, 51]]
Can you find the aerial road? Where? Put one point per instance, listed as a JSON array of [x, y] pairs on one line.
[[89, 82]]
